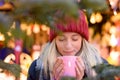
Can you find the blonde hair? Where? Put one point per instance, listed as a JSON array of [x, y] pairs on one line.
[[89, 54]]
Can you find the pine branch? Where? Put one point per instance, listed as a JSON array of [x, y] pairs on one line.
[[13, 68], [68, 78], [105, 72], [94, 6], [43, 11], [5, 22]]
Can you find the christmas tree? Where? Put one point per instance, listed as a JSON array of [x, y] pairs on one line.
[[45, 12]]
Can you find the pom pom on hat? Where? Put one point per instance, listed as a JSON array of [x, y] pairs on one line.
[[79, 25]]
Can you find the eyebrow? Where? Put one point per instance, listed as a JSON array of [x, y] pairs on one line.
[[75, 35]]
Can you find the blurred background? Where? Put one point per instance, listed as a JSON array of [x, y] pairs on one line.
[[21, 43]]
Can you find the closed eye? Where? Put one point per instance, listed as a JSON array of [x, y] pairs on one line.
[[61, 39], [75, 39]]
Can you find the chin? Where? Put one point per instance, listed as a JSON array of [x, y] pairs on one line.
[[68, 55]]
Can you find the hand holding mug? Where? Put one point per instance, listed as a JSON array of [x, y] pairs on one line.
[[68, 66], [80, 68], [58, 69]]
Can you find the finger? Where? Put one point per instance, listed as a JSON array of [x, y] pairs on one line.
[[79, 68], [58, 67], [79, 59], [59, 71], [77, 71], [79, 75], [57, 63], [61, 74]]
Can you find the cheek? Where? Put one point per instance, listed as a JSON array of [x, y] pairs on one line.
[[59, 46], [77, 46]]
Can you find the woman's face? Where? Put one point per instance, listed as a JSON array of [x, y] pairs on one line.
[[69, 43]]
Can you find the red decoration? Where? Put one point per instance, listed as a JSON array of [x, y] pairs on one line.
[[18, 50]]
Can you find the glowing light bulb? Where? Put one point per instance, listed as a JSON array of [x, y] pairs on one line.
[[2, 37], [98, 17], [92, 18], [36, 28], [113, 40]]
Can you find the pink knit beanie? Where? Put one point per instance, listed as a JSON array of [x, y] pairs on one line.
[[79, 25]]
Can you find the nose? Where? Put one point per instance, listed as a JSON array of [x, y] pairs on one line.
[[68, 44]]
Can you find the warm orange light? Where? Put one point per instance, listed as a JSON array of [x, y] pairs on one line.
[[113, 30], [92, 18], [2, 38], [23, 26], [113, 40], [98, 17], [36, 28]]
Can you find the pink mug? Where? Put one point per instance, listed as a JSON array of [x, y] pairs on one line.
[[69, 65]]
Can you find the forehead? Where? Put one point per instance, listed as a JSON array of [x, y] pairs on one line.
[[69, 34]]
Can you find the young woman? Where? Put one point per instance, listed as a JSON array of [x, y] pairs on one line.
[[71, 39]]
